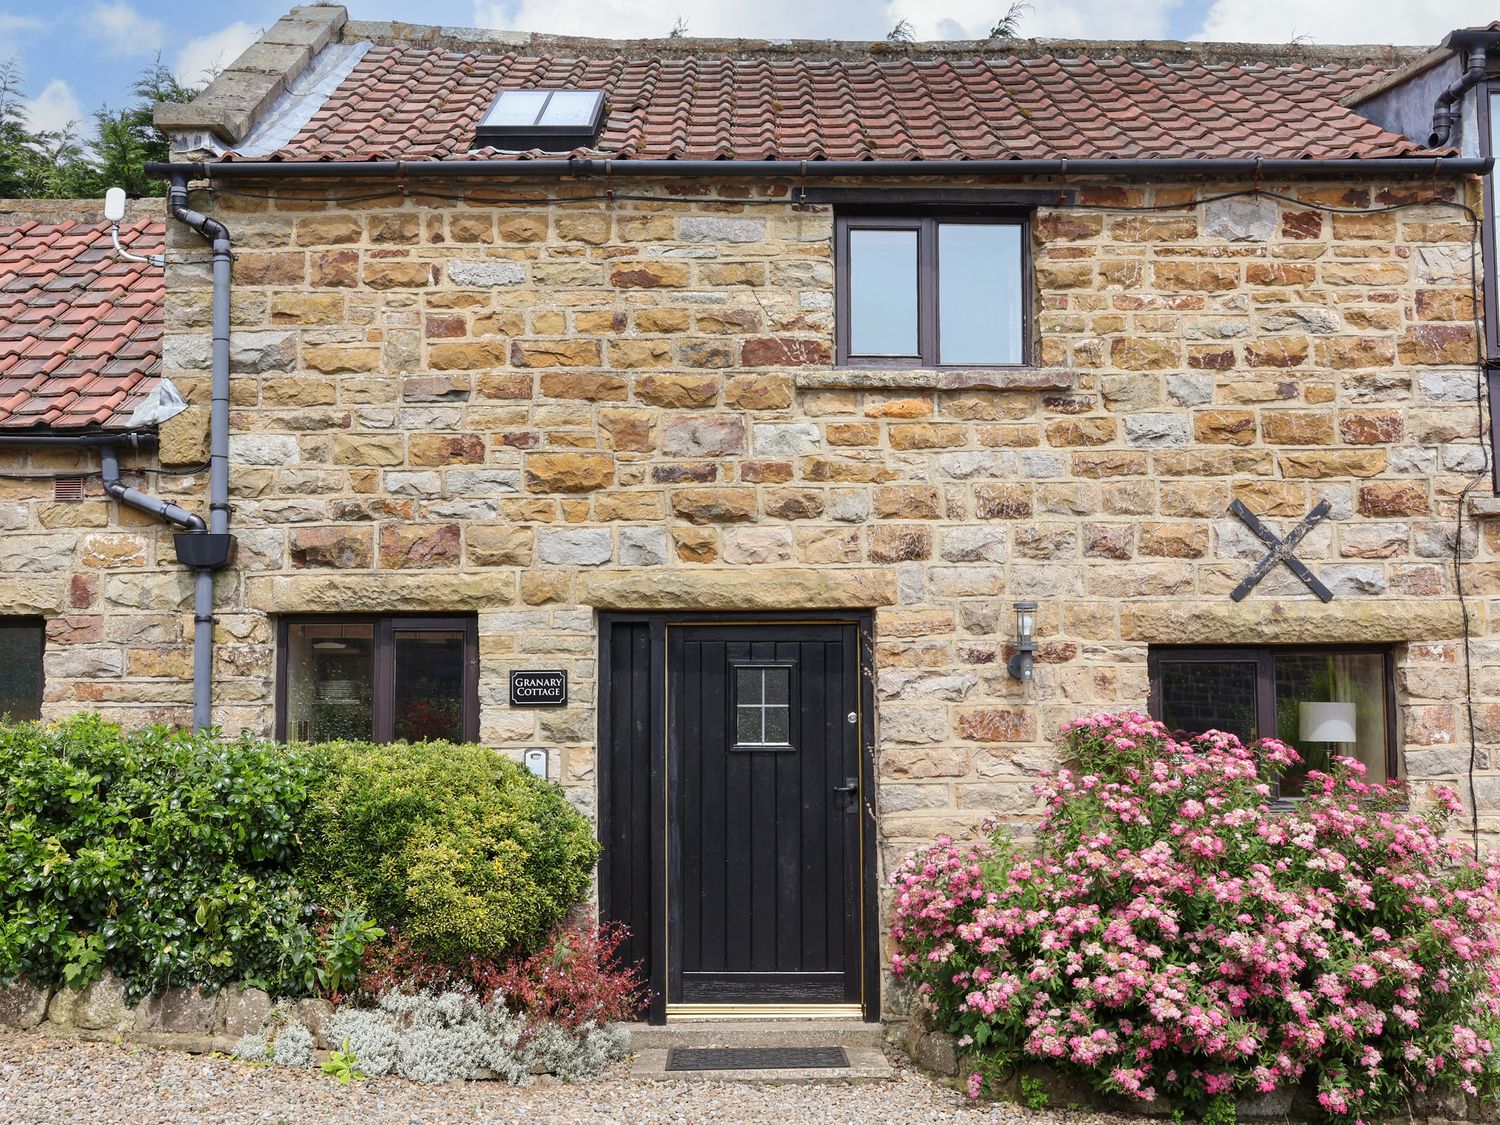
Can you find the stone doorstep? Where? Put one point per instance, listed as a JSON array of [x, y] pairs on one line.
[[756, 1033], [866, 1064]]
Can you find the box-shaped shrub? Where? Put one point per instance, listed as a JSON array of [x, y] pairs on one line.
[[460, 850]]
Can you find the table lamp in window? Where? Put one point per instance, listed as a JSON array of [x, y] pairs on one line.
[[1326, 722]]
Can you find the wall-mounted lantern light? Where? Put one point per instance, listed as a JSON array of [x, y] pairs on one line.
[[1019, 664]]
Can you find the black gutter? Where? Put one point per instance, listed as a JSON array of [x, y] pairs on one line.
[[809, 169], [90, 440]]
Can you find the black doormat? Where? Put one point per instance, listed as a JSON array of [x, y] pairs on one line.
[[756, 1058]]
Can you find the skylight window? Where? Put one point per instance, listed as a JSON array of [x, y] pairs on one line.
[[551, 120]]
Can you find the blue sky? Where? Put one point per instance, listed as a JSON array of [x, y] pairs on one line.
[[78, 54]]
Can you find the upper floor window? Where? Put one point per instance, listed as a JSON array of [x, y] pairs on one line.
[[380, 679], [932, 291], [1320, 701], [21, 669]]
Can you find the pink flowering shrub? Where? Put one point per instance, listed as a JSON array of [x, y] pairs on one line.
[[1172, 935]]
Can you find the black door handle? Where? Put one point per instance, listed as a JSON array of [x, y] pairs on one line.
[[853, 784]]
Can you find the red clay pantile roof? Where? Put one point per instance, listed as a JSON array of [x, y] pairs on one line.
[[80, 330], [413, 103]]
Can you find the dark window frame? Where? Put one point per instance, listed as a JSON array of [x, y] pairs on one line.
[[734, 743], [1490, 256], [383, 668], [26, 621], [925, 222], [1264, 659]]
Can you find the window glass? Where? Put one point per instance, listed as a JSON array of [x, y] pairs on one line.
[[21, 671], [1323, 702], [979, 293], [883, 292], [762, 697], [330, 682], [571, 107], [1356, 682], [1200, 695], [429, 685], [517, 107]]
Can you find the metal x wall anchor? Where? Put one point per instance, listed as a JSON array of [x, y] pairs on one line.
[[1281, 550]]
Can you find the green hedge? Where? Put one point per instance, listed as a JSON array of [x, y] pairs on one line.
[[461, 850], [174, 858], [162, 855]]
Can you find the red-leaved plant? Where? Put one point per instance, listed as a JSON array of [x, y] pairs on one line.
[[575, 980], [1172, 934]]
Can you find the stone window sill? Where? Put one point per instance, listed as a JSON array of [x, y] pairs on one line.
[[1484, 507], [943, 379]]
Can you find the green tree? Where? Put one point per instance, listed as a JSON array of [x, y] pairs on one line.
[[60, 164], [14, 136], [128, 138]]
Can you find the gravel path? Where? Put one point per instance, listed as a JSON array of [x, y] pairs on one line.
[[48, 1081]]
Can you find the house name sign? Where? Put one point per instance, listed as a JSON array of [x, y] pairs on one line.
[[538, 688]]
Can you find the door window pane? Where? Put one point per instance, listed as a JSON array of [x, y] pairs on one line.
[[1356, 682], [429, 685], [883, 292], [21, 671], [1199, 695], [979, 293], [762, 713], [330, 682]]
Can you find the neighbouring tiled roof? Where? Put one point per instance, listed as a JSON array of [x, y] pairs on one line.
[[412, 102], [80, 330]]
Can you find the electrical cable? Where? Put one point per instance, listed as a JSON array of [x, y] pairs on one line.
[[1483, 406]]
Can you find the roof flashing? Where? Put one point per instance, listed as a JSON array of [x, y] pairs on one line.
[[552, 120]]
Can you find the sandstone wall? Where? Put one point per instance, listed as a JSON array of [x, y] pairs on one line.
[[537, 409]]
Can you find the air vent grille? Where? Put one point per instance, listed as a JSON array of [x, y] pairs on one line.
[[68, 489]]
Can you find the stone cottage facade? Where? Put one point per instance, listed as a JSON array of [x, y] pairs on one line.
[[537, 423]]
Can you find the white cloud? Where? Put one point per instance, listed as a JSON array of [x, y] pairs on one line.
[[1341, 21], [1075, 19], [15, 25], [55, 108], [841, 19], [202, 58], [123, 30]]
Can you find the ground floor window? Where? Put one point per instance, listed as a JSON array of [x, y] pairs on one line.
[[1323, 701], [381, 679], [21, 668]]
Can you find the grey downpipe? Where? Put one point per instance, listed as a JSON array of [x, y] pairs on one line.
[[109, 463], [218, 447], [809, 169], [1445, 111]]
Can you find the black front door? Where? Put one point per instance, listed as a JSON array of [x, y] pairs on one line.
[[763, 795]]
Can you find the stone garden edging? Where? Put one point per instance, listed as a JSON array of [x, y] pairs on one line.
[[183, 1018]]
